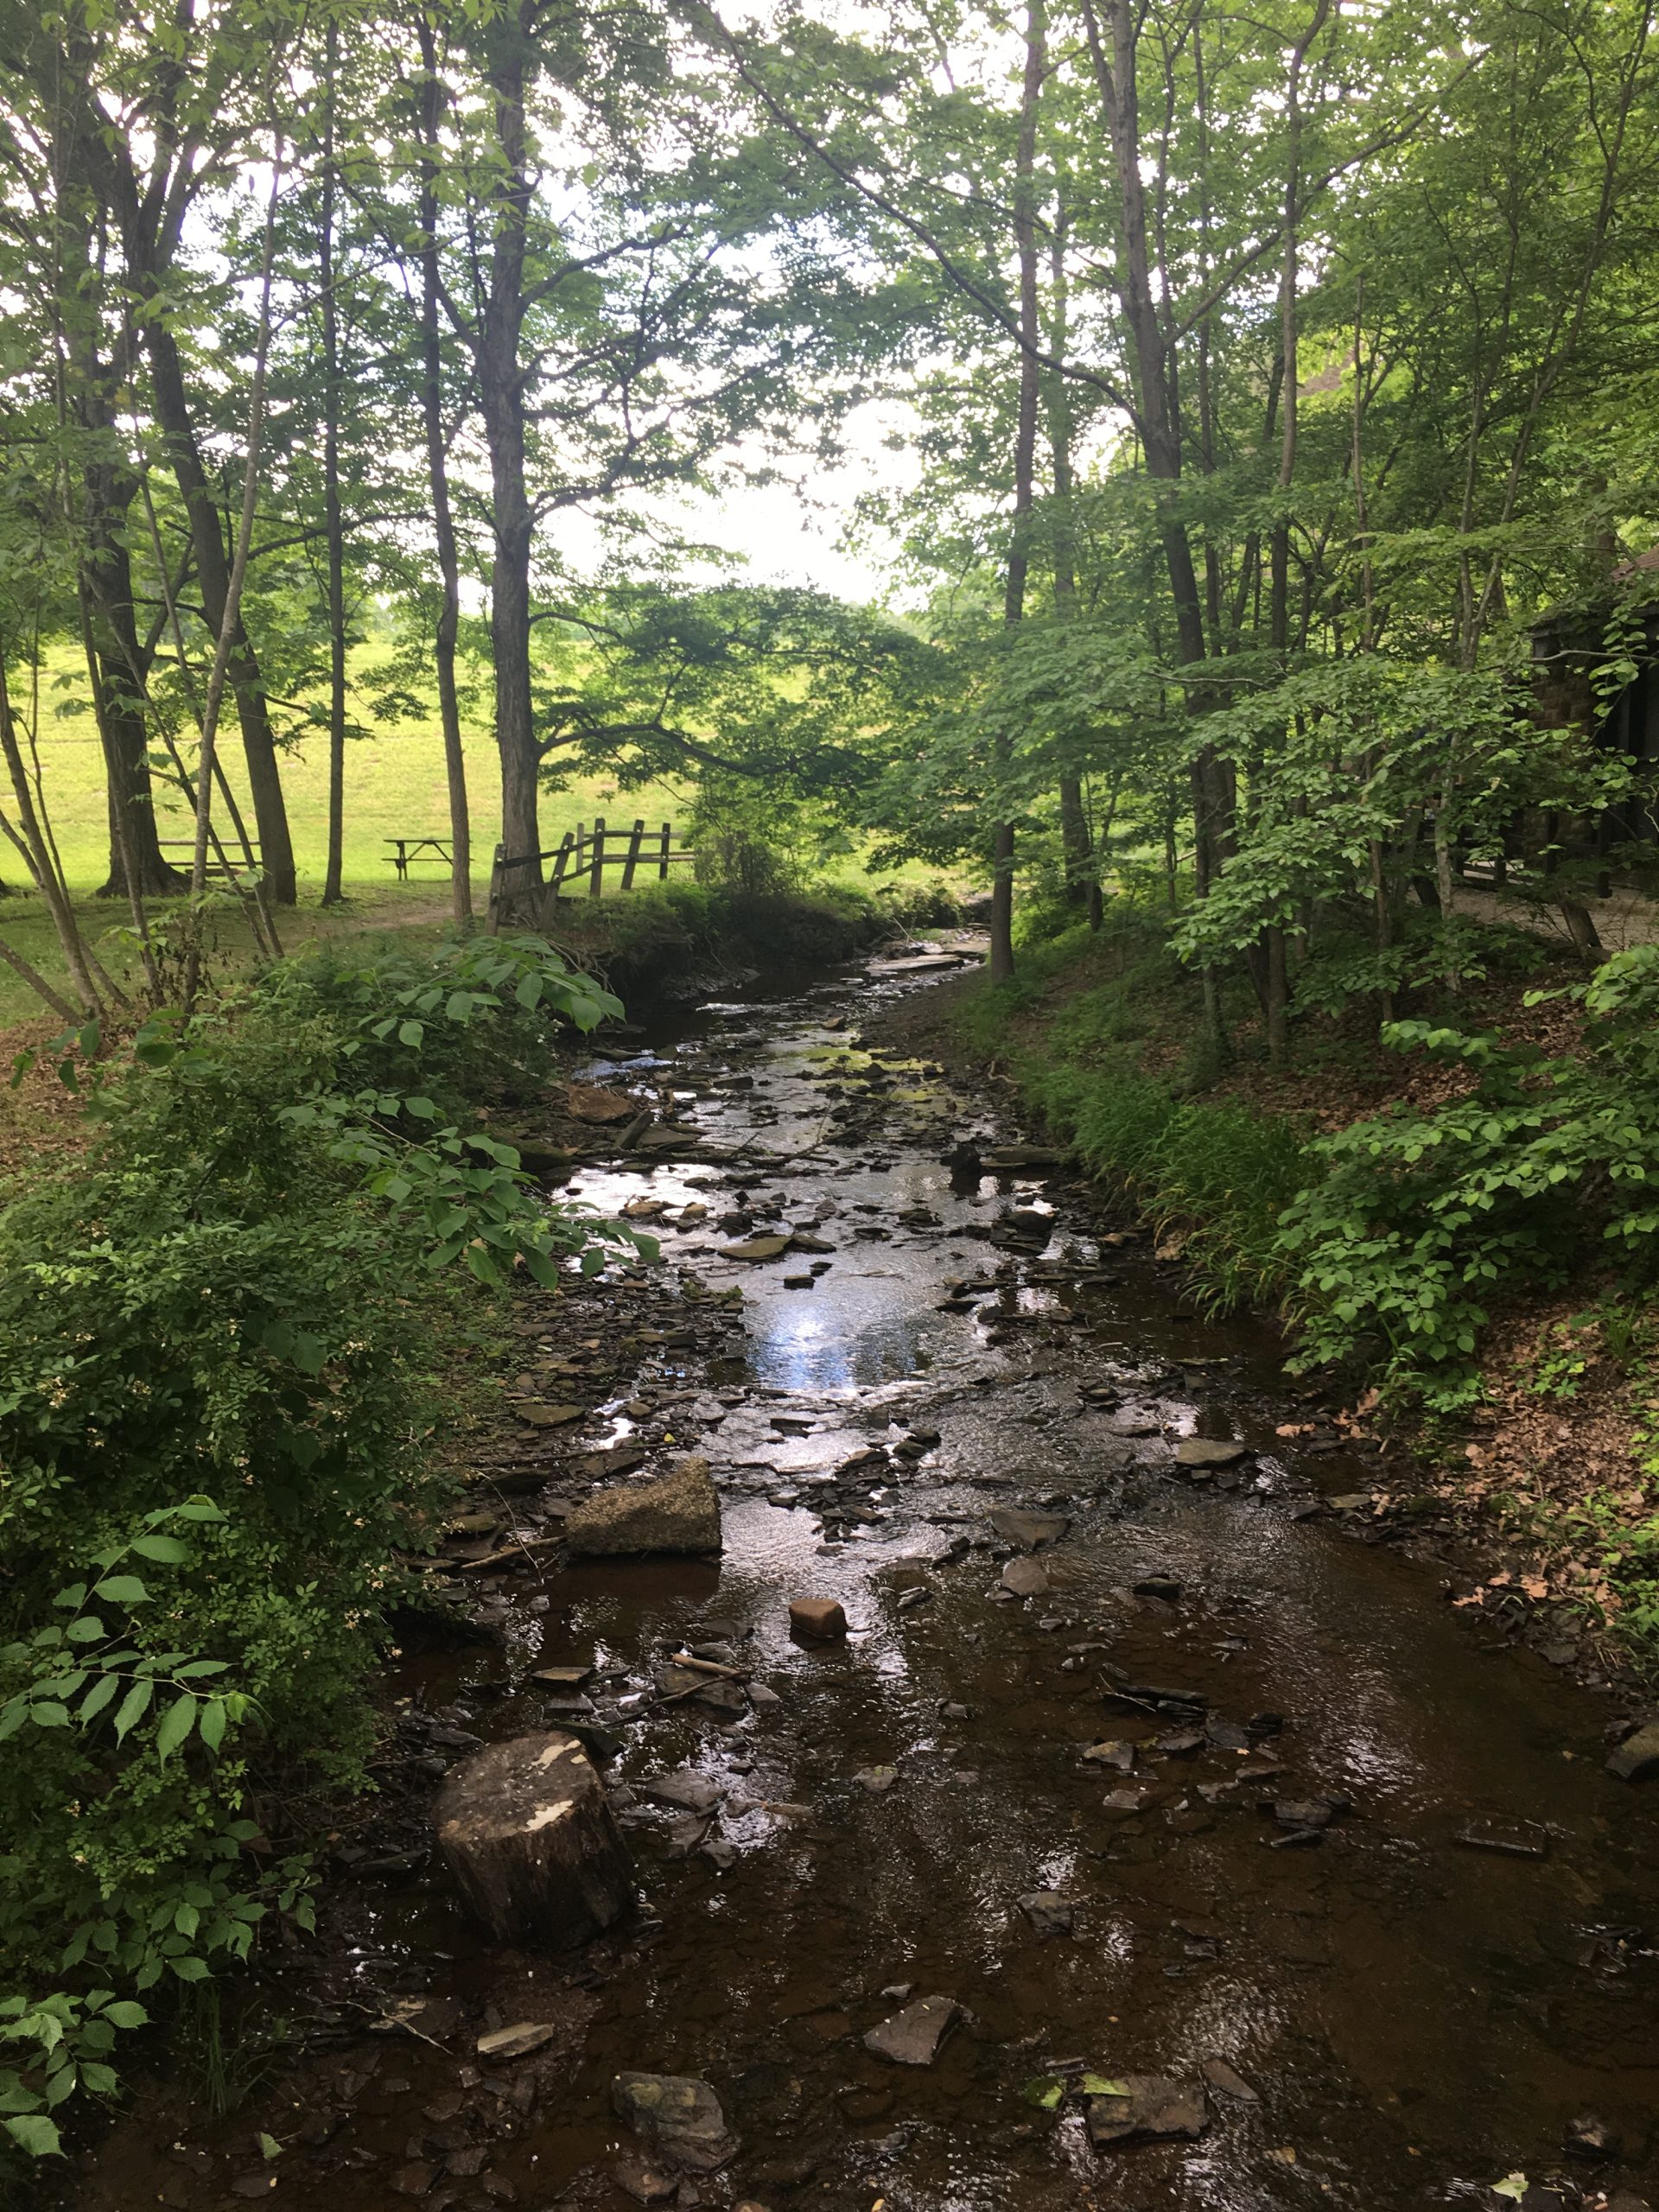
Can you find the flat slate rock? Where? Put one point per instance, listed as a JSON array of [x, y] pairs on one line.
[[587, 1102], [913, 2037], [1026, 1579], [1049, 1913], [1210, 1452], [1029, 1531], [1226, 2082], [756, 1249], [1152, 2105], [680, 1512], [540, 1414], [678, 2116], [691, 1791], [1637, 1758]]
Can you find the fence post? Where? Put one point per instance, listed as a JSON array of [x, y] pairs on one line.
[[633, 853], [492, 917], [596, 885], [561, 862], [662, 872]]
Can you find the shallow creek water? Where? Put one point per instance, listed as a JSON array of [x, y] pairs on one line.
[[1417, 2017]]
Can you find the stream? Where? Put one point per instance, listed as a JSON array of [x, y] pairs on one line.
[[1342, 1864]]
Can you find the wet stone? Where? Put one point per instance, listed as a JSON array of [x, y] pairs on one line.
[[646, 2185], [1636, 1759], [1049, 1913], [1029, 1531], [695, 1793], [817, 1620], [1589, 2136], [679, 1513], [1209, 1452], [517, 2041], [678, 2116], [1025, 1578], [1152, 2105], [1119, 1756], [913, 2037], [1226, 2082]]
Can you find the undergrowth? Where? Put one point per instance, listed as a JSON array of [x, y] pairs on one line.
[[216, 1422]]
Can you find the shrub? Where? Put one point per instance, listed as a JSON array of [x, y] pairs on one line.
[[214, 1423], [1421, 1218]]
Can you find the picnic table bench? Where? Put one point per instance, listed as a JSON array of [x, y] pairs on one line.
[[234, 863], [408, 849]]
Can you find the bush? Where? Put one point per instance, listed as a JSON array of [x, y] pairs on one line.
[[215, 1337], [1420, 1219]]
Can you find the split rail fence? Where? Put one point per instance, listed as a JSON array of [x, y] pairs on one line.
[[520, 897]]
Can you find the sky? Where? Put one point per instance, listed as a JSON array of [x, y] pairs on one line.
[[801, 537]]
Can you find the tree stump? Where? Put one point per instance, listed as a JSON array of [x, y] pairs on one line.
[[528, 1832]]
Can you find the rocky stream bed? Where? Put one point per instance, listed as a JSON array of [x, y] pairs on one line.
[[1153, 1836]]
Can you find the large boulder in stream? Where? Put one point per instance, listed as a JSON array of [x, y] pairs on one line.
[[529, 1834], [680, 1512]]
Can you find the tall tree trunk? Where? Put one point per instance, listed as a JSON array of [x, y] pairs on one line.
[[213, 575], [1081, 886], [333, 524], [437, 465], [1025, 454], [1158, 422], [501, 404]]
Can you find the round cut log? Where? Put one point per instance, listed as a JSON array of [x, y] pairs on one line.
[[529, 1834]]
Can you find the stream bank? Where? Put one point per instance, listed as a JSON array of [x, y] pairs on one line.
[[1139, 1755]]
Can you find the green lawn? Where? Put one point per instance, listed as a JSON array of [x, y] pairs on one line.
[[395, 786]]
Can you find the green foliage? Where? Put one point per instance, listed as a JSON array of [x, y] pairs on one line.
[[1421, 1219], [216, 1338]]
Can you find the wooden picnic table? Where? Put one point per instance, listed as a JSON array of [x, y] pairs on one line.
[[405, 849]]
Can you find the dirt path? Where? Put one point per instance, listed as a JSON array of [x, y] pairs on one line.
[[1140, 1758]]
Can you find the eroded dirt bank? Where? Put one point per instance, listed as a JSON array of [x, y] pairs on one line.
[[1138, 1754]]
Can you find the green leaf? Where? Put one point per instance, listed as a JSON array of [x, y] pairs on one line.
[[87, 1630], [121, 1590], [211, 1727], [133, 1708], [97, 1697], [176, 1723], [1045, 2091], [188, 1969], [46, 1712], [1097, 2085], [167, 1549], [269, 2146], [34, 2134], [126, 2014]]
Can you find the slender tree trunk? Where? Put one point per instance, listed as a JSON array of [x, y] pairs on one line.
[[501, 404], [437, 464], [229, 624], [44, 866], [1158, 410], [1081, 885], [333, 524], [1025, 454], [214, 575]]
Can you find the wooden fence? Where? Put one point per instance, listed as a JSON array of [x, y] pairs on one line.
[[521, 899]]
